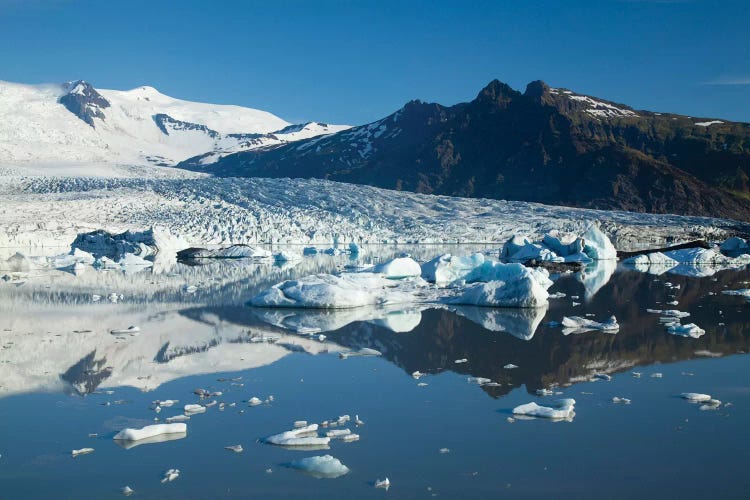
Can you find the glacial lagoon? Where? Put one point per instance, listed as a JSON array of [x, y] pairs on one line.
[[68, 383]]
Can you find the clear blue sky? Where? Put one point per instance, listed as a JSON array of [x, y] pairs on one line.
[[356, 61]]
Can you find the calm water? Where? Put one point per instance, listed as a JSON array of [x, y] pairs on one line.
[[59, 363]]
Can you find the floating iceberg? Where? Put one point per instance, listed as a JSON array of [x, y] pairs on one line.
[[447, 268], [593, 244], [151, 431], [735, 245], [324, 466], [509, 285], [230, 252], [302, 437], [400, 267], [690, 330], [695, 397], [328, 291], [578, 324], [563, 410]]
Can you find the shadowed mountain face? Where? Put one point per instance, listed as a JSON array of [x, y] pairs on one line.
[[545, 145]]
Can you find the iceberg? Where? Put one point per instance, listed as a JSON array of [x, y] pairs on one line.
[[448, 268], [150, 431], [400, 267], [328, 291], [690, 330], [230, 252], [578, 324], [324, 466], [563, 410], [597, 245], [305, 437]]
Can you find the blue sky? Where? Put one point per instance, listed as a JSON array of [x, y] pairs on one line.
[[356, 61]]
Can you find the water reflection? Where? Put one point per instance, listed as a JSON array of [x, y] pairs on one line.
[[56, 335]]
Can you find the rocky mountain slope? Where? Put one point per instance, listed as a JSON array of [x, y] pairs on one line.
[[545, 145]]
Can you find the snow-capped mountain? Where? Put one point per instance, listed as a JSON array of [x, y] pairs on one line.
[[75, 122], [548, 145]]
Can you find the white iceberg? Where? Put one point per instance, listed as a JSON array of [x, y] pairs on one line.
[[695, 397], [690, 330], [400, 267], [563, 410], [324, 466], [597, 245], [150, 431], [507, 285], [230, 252], [578, 324], [301, 437], [328, 291], [448, 268]]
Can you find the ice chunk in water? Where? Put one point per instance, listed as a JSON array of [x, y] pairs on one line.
[[324, 466], [563, 410], [150, 431]]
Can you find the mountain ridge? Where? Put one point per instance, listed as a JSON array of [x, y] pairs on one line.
[[548, 145]]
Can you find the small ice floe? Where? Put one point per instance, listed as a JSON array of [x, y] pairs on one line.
[[324, 466], [322, 338], [212, 403], [690, 330], [602, 376], [131, 330], [577, 324], [365, 351], [383, 483], [302, 437], [237, 448], [619, 400], [673, 302], [203, 393], [348, 438], [166, 403], [460, 361], [695, 397], [422, 384], [82, 451], [711, 404], [637, 374], [338, 433], [343, 419], [478, 380], [443, 451], [657, 375], [670, 313], [254, 401], [169, 431], [544, 392], [127, 491], [563, 410], [576, 304], [556, 295], [177, 418], [300, 423], [417, 374], [510, 366], [194, 409], [190, 289], [170, 475], [357, 421]]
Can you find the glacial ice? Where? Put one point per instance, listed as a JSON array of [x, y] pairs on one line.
[[689, 330], [150, 431], [524, 290], [578, 324], [400, 267], [593, 244], [695, 397], [324, 466], [563, 410], [300, 437], [327, 291]]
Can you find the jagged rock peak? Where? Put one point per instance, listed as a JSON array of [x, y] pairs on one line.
[[82, 99]]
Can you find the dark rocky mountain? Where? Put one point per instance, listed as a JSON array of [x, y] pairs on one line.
[[84, 101], [545, 145]]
